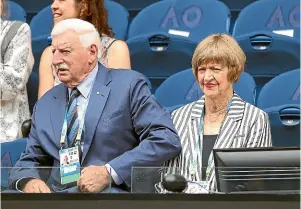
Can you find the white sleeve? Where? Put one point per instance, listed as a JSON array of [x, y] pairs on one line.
[[17, 64]]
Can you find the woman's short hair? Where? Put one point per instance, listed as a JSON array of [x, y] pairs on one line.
[[94, 11], [220, 49]]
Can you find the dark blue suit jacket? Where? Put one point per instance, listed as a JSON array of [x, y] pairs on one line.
[[125, 126]]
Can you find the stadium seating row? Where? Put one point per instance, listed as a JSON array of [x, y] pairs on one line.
[[34, 6], [279, 98], [162, 44], [162, 38], [270, 15]]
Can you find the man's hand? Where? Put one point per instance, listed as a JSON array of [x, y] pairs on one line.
[[93, 179], [36, 186]]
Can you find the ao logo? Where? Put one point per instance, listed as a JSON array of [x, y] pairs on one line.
[[278, 19], [296, 95], [191, 17]]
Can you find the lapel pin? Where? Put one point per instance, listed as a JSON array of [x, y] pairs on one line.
[[97, 92]]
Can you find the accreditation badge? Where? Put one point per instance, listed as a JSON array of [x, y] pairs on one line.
[[69, 165]]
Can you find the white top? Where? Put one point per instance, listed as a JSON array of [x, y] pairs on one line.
[[14, 73]]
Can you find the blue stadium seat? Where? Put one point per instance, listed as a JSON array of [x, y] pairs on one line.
[[41, 26], [32, 7], [15, 11], [235, 7], [118, 18], [280, 98], [182, 88], [285, 125], [269, 15], [268, 53], [163, 36], [135, 5], [42, 23], [197, 18], [281, 90], [10, 154]]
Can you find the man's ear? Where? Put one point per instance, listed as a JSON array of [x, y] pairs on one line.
[[93, 52]]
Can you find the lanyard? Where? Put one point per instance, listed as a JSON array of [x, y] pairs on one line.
[[81, 118], [193, 162]]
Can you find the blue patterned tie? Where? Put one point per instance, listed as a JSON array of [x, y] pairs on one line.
[[72, 117]]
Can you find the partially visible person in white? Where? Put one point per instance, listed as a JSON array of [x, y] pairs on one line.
[[15, 69]]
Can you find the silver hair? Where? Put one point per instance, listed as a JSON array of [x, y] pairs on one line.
[[88, 34]]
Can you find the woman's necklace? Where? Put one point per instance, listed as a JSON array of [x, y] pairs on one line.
[[213, 117]]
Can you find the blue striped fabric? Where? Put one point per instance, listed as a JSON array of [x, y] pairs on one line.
[[72, 117]]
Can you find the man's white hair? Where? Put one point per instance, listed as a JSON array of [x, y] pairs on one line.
[[88, 34]]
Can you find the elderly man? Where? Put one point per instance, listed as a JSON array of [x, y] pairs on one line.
[[107, 121]]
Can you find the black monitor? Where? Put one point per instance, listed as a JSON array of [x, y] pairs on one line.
[[248, 170]]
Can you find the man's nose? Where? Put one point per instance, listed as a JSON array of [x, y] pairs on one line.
[[56, 59]]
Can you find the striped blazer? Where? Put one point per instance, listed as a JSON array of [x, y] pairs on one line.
[[245, 126]]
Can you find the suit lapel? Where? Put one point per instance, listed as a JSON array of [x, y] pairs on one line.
[[98, 98], [194, 135], [227, 136], [231, 124], [58, 108]]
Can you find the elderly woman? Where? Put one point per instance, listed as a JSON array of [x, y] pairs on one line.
[[220, 118]]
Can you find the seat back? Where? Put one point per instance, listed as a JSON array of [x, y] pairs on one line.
[[118, 19], [280, 98], [32, 7], [163, 36], [15, 11], [281, 90], [285, 124], [10, 154], [42, 23], [135, 5], [192, 19], [159, 56], [182, 88], [269, 55], [269, 37], [280, 16]]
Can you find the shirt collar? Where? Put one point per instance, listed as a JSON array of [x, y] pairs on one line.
[[85, 86]]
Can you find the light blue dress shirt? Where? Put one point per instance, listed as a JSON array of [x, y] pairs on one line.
[[84, 88]]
